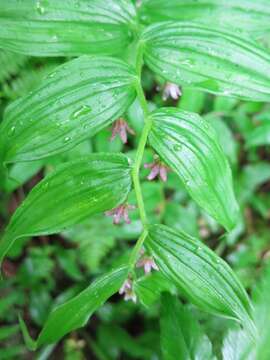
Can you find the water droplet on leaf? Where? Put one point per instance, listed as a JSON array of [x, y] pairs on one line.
[[52, 74], [11, 131], [55, 38], [177, 147], [83, 110], [45, 185], [40, 8]]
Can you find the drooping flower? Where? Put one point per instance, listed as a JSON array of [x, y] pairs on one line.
[[171, 91], [127, 290], [158, 168], [121, 128], [148, 263], [120, 212]]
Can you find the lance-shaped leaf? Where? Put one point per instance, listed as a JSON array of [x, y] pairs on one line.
[[202, 276], [215, 60], [60, 28], [69, 195], [76, 312], [251, 16], [76, 101], [189, 145], [181, 335]]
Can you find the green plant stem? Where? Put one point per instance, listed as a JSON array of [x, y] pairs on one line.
[[139, 157], [136, 249], [136, 172]]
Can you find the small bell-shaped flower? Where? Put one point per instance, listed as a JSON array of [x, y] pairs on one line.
[[158, 168], [147, 262], [121, 128], [121, 212], [127, 290], [171, 91]]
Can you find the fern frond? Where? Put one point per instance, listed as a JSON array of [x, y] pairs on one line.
[[10, 64], [28, 78]]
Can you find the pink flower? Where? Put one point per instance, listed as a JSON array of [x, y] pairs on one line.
[[120, 212], [121, 128], [158, 168], [148, 264], [171, 91], [127, 291]]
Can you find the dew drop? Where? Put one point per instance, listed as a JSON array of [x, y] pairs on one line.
[[226, 92], [51, 75], [206, 125], [67, 139], [188, 62], [45, 185], [177, 147], [83, 110], [40, 8], [55, 38], [11, 131], [218, 263]]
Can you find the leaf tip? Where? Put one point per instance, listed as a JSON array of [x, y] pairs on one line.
[[29, 342]]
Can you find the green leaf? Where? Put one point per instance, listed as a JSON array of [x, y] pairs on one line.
[[20, 173], [76, 312], [260, 135], [225, 137], [182, 217], [181, 335], [8, 302], [69, 195], [29, 342], [251, 178], [251, 16], [149, 288], [217, 61], [76, 101], [237, 345], [192, 100], [261, 299], [7, 331], [202, 276], [189, 145], [223, 104], [57, 28], [115, 339]]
